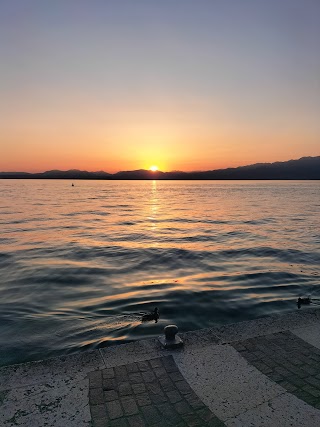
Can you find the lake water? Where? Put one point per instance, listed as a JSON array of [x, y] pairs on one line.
[[78, 264]]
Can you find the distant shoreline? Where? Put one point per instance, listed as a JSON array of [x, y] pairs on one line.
[[161, 179], [306, 168]]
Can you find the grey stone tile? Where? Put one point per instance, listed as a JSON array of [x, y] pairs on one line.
[[122, 422], [129, 406], [108, 373], [135, 378], [96, 396], [136, 421], [101, 422], [148, 376], [114, 409], [183, 407], [109, 384], [139, 388], [125, 389], [160, 372], [143, 399], [151, 414], [98, 411], [143, 366], [110, 395], [132, 367], [174, 396], [156, 363]]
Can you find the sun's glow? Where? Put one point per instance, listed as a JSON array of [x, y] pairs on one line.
[[153, 168]]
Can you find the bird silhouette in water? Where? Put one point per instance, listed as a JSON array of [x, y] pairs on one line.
[[152, 315]]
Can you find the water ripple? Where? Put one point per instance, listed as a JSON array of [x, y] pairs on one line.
[[79, 265]]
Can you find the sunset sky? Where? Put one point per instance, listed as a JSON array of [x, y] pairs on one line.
[[184, 85]]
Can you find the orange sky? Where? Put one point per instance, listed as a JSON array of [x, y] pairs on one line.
[[86, 86]]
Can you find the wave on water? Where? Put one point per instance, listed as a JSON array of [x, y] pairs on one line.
[[79, 266]]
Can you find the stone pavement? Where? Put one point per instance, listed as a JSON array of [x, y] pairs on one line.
[[288, 360], [148, 393], [264, 372]]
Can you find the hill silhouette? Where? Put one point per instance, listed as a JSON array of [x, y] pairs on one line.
[[304, 168]]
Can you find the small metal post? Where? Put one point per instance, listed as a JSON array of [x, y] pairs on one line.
[[170, 339]]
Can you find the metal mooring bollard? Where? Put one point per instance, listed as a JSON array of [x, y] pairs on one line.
[[170, 339]]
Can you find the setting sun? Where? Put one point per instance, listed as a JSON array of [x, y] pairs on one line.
[[153, 168]]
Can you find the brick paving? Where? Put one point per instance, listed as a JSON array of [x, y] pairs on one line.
[[152, 393], [288, 360]]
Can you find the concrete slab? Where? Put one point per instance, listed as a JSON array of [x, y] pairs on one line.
[[224, 381], [58, 404], [311, 334], [267, 325], [285, 410], [46, 371], [132, 352]]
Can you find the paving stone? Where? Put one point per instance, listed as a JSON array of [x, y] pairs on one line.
[[160, 372], [156, 363], [192, 420], [148, 376], [136, 421], [183, 387], [288, 386], [169, 364], [143, 366], [194, 401], [96, 396], [119, 423], [95, 379], [239, 347], [183, 407], [114, 409], [151, 414], [265, 369], [139, 388], [110, 395], [167, 384], [174, 396], [169, 413], [101, 422], [311, 370], [109, 384], [311, 390], [205, 414], [125, 389], [135, 378], [313, 381], [108, 373], [121, 373], [98, 411], [158, 398], [143, 399], [129, 406], [132, 367], [176, 376]]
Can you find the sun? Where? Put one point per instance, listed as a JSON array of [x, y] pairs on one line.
[[153, 168]]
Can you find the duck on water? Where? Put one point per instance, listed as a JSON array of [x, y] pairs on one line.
[[152, 315]]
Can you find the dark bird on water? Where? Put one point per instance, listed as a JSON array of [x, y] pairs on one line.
[[153, 315]]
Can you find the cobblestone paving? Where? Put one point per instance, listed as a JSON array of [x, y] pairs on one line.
[[287, 360], [150, 393]]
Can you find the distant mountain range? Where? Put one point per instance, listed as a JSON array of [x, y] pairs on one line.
[[304, 168]]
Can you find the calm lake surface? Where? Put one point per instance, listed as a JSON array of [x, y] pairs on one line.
[[78, 264]]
